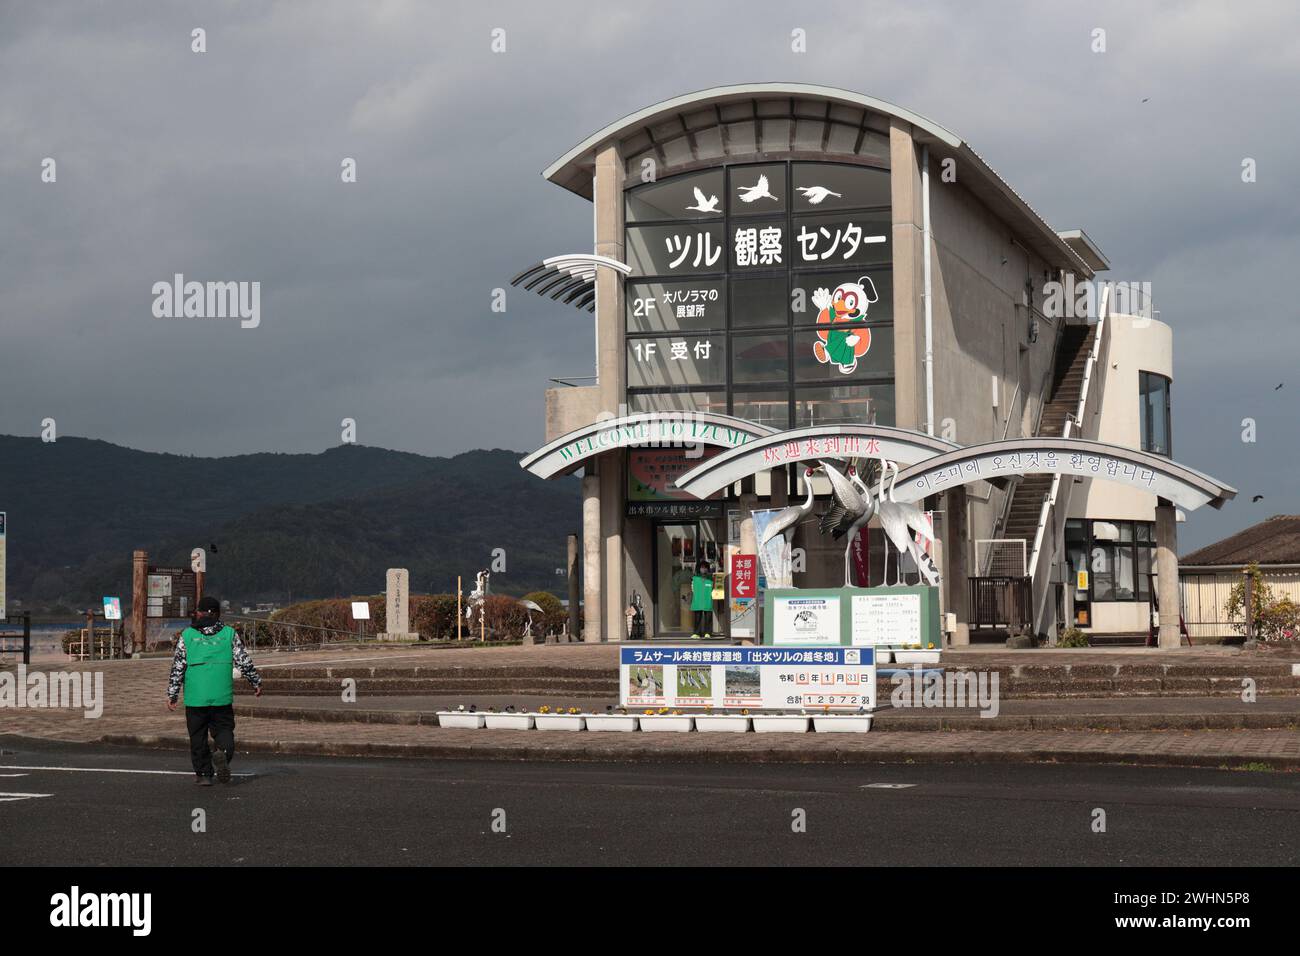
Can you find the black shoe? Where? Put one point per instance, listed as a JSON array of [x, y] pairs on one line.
[[222, 766], [202, 781]]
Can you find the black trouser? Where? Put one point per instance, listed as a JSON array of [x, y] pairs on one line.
[[221, 721], [703, 622]]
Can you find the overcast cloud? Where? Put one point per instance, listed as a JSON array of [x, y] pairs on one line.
[[375, 296]]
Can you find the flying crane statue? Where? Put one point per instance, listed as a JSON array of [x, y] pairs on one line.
[[784, 524]]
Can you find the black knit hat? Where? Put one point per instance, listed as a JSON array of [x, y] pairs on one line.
[[209, 605]]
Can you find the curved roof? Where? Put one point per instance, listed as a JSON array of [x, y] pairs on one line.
[[811, 443], [569, 452], [696, 123], [999, 460]]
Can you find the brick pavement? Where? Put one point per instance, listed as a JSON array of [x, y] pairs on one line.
[[135, 712]]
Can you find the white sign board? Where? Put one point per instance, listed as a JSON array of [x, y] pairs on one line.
[[763, 678], [360, 610], [886, 619], [112, 609], [806, 620]]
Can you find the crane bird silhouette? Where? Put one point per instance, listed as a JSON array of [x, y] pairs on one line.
[[815, 194], [787, 518], [703, 203], [757, 191], [853, 508], [898, 520]]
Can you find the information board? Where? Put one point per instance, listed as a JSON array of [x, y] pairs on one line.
[[765, 678], [171, 592], [892, 620]]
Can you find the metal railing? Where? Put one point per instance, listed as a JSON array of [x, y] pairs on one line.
[[25, 638], [1000, 602]]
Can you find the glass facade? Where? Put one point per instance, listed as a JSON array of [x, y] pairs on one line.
[[1154, 411], [769, 285], [1119, 557]]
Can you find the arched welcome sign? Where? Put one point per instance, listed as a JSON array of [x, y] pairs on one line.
[[647, 429], [1000, 460], [810, 444]]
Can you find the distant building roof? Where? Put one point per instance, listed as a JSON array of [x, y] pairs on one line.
[[1275, 541]]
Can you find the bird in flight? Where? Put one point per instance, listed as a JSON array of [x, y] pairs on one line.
[[758, 191], [1257, 498], [815, 194], [703, 204]]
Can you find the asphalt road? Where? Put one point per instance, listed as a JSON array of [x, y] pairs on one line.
[[328, 811]]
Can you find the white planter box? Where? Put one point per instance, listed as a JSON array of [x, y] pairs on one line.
[[780, 724], [509, 721], [721, 723], [558, 721], [916, 657], [459, 718], [884, 657], [673, 723], [842, 723], [623, 722]]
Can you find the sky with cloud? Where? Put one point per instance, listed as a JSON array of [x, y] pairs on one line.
[[376, 295]]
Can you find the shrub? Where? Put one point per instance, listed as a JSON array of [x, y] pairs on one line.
[[1072, 637], [1275, 618]]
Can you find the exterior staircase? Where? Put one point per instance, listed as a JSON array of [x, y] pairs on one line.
[[1027, 498]]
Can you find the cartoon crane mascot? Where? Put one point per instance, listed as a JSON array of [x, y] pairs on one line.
[[844, 313]]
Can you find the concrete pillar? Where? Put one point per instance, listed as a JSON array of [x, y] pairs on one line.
[[607, 197], [575, 590], [1167, 571], [607, 193], [780, 492], [591, 563], [611, 531], [909, 314], [956, 573]]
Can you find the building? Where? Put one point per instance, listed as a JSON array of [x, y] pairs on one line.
[[1208, 574], [721, 221]]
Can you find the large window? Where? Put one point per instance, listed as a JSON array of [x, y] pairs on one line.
[[770, 284], [1117, 555], [1153, 390]]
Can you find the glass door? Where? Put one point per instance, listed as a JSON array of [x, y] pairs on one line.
[[675, 554]]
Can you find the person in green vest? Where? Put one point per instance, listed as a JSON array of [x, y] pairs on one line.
[[206, 655], [702, 599]]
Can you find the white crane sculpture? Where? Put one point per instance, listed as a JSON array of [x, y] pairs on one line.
[[787, 518], [898, 520], [853, 508]]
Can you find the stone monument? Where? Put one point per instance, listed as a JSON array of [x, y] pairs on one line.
[[397, 605]]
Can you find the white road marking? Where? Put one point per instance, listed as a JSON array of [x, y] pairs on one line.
[[177, 773], [13, 774], [11, 797], [886, 786]]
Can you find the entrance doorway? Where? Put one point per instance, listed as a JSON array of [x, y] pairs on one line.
[[678, 545]]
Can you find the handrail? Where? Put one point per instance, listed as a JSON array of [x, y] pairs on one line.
[[1080, 410], [1000, 524]]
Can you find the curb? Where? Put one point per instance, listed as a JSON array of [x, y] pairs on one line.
[[578, 754], [884, 722]]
